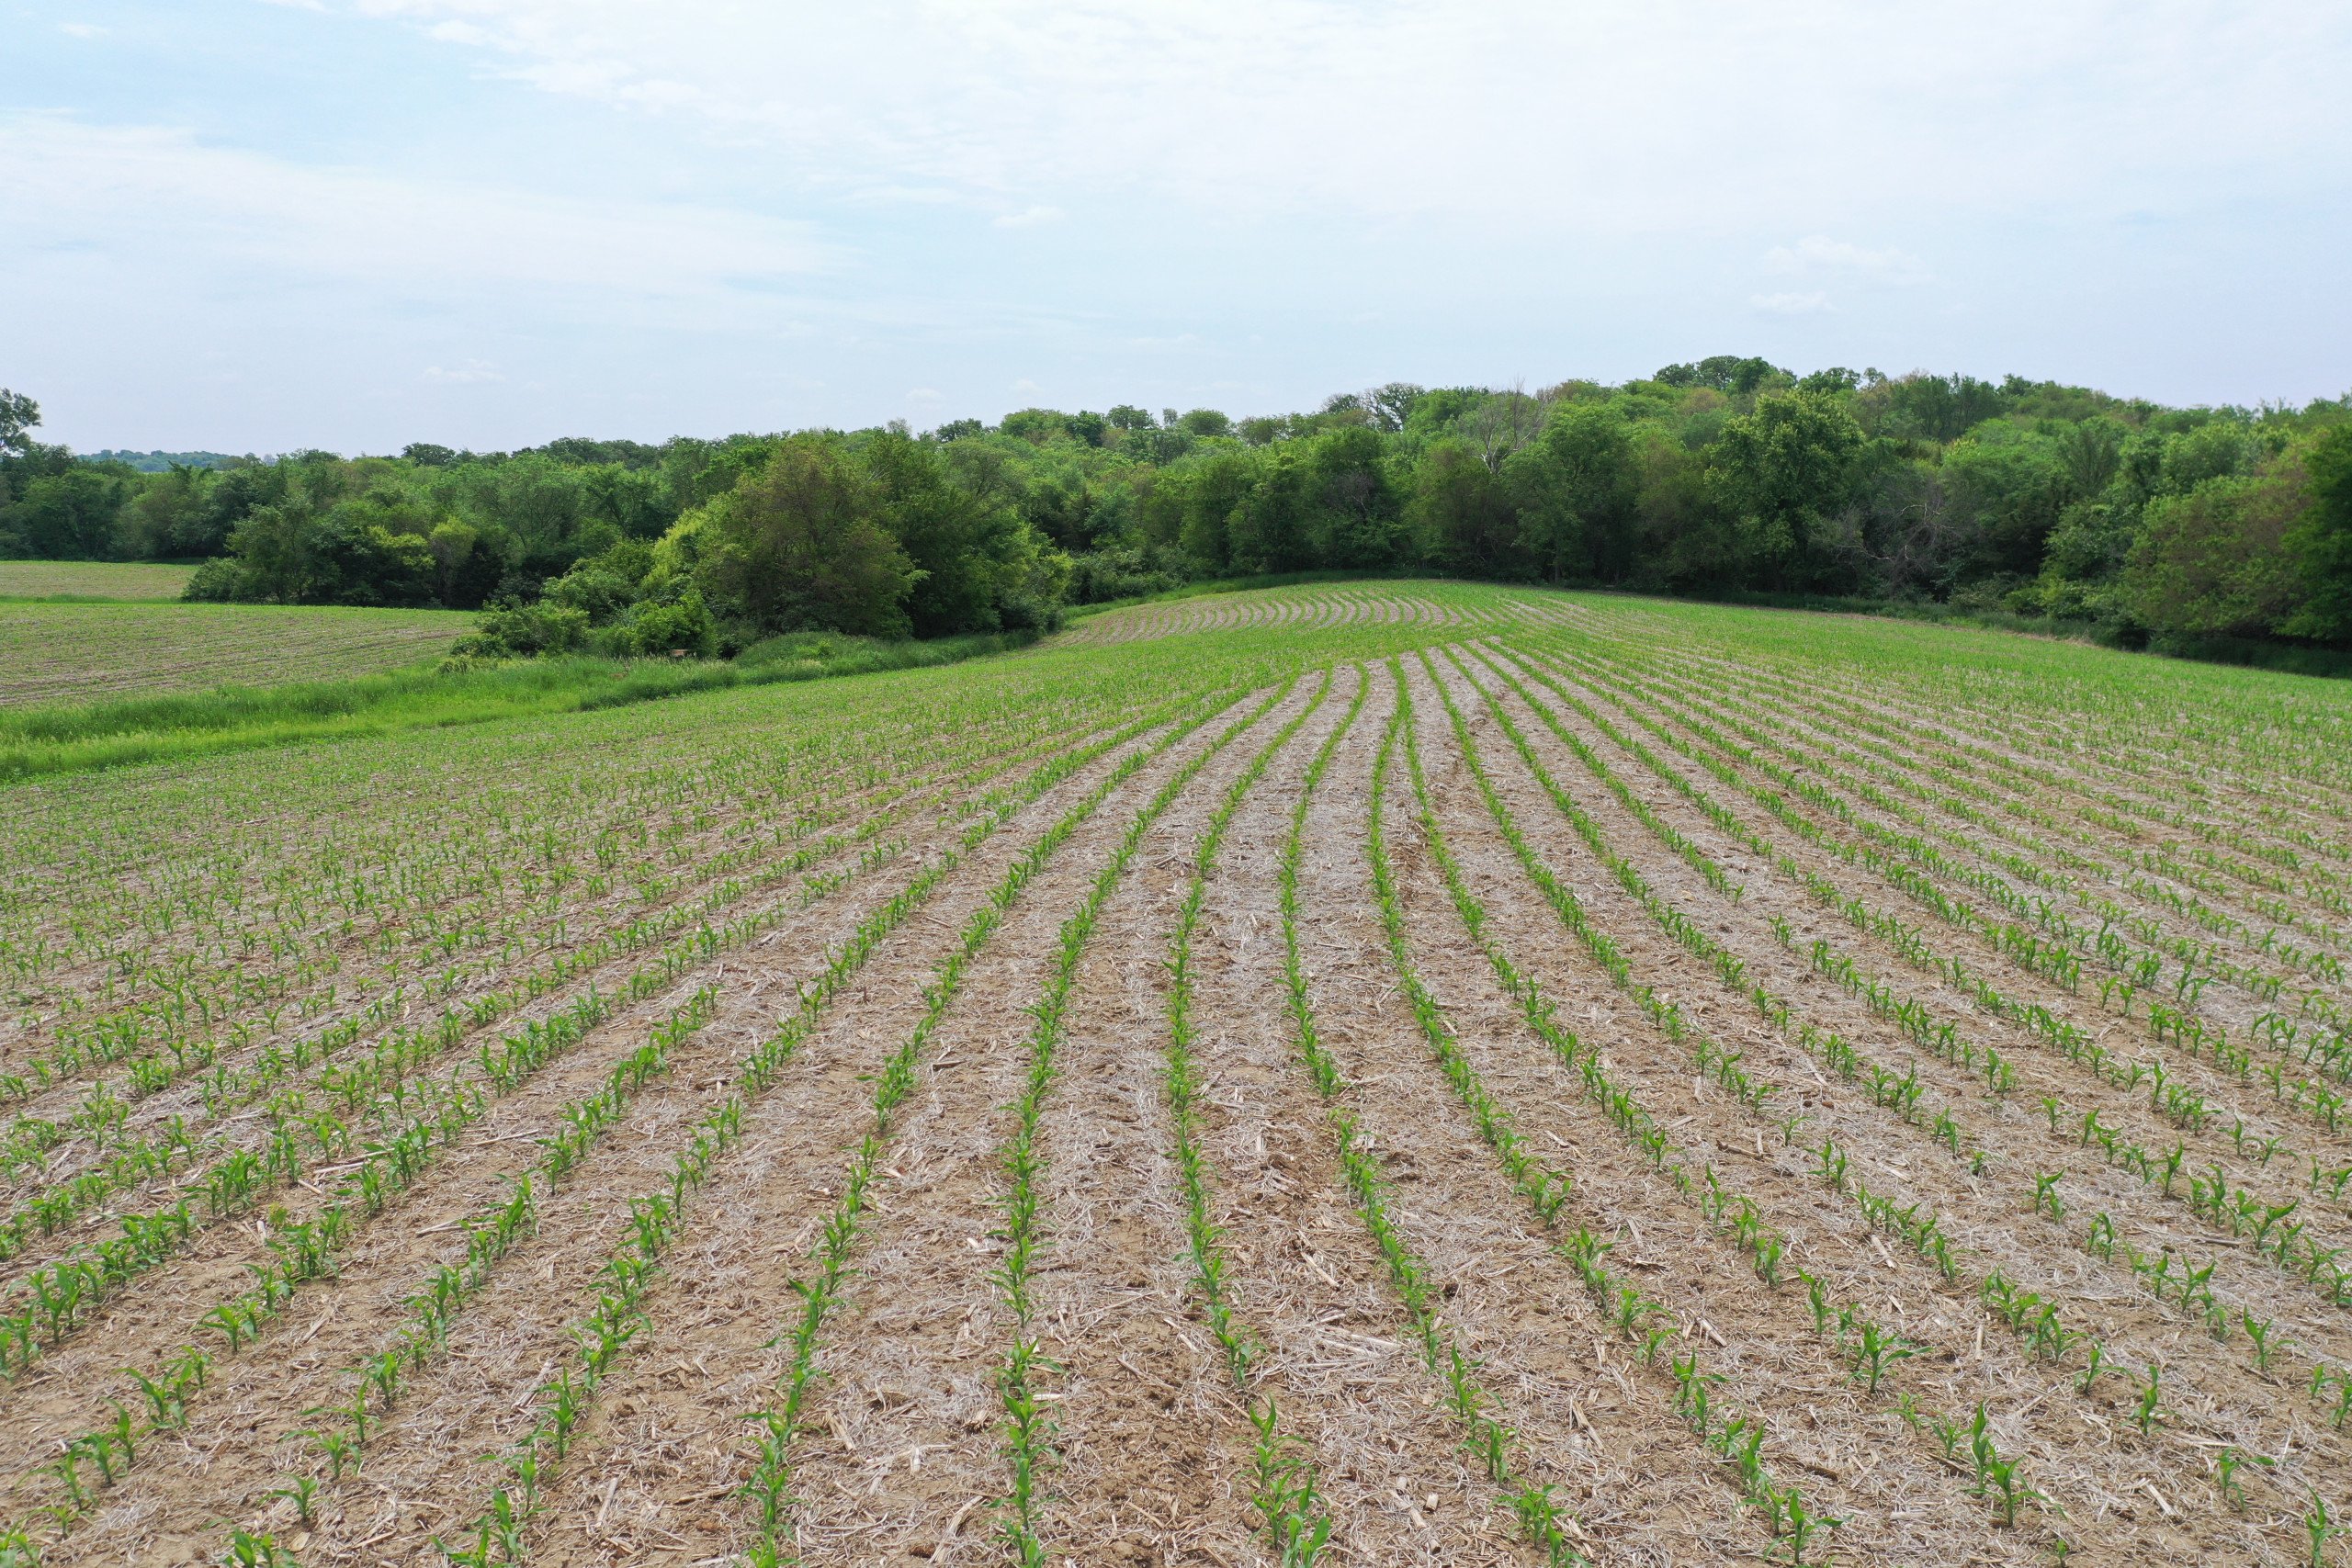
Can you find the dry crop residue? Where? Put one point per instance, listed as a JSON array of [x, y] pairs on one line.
[[1394, 1073]]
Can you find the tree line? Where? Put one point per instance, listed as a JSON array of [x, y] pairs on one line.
[[1725, 475]]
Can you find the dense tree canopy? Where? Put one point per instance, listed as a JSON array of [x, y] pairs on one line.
[[1724, 475]]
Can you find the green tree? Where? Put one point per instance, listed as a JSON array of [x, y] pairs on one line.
[[633, 502], [295, 552], [1933, 408], [1270, 525], [167, 516], [2214, 562], [980, 565], [1061, 507], [1686, 538], [2007, 488], [18, 415], [1360, 518], [1205, 494], [466, 566], [1575, 488], [1463, 514], [800, 544], [70, 515], [1036, 426], [1781, 472], [2321, 541], [1724, 373]]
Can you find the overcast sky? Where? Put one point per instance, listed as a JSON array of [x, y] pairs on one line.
[[245, 225]]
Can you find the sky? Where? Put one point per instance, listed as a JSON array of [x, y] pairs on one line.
[[263, 225]]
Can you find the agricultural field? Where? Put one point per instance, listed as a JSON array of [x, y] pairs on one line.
[[1384, 1074], [62, 652], [91, 579]]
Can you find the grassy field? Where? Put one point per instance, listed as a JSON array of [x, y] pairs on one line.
[[91, 579], [60, 653], [1396, 1074]]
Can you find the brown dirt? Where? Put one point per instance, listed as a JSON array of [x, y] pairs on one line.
[[904, 1460]]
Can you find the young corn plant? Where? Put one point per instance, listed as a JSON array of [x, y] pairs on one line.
[[1540, 1517], [1285, 1493], [778, 1428]]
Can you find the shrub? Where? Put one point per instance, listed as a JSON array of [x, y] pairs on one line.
[[520, 630]]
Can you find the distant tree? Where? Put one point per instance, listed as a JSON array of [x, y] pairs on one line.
[[296, 552], [2007, 488], [633, 502], [2092, 453], [1061, 507], [2215, 449], [2322, 540], [1034, 425], [582, 451], [605, 584], [1360, 521], [1463, 514], [1128, 417], [1209, 491], [18, 415], [1499, 424], [1781, 472], [1936, 408], [166, 517], [2215, 559], [800, 543], [467, 566], [980, 564], [70, 515], [1575, 487], [1271, 526], [1205, 422], [1722, 373], [1391, 405]]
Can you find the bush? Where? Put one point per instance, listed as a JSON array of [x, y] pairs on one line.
[[1099, 575], [522, 631], [652, 628], [214, 582]]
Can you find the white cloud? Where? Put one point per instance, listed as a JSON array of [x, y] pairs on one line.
[[1025, 387], [923, 395], [1813, 304], [82, 30], [471, 372], [1297, 194], [1818, 253], [126, 189], [1513, 112]]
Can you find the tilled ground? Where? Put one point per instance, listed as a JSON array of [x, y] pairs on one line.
[[1621, 1181]]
